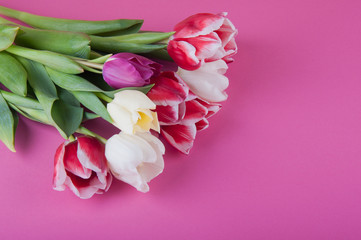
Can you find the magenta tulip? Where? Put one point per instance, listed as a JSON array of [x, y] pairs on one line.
[[82, 167], [129, 70]]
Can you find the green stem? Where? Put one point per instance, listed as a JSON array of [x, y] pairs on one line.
[[90, 64], [104, 97], [86, 131]]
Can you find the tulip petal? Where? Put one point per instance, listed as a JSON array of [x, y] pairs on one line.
[[128, 147], [119, 73], [150, 170], [202, 124], [59, 175], [195, 112], [135, 159], [212, 108], [198, 24], [129, 70], [123, 119], [208, 82], [169, 89], [231, 49], [226, 32], [184, 54], [208, 46], [84, 188], [72, 163], [168, 114], [155, 123], [133, 100], [180, 136], [91, 154]]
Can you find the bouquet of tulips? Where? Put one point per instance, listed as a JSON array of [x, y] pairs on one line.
[[151, 85]]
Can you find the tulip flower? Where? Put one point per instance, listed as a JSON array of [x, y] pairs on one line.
[[81, 166], [135, 159], [203, 37], [131, 112], [129, 70], [181, 113]]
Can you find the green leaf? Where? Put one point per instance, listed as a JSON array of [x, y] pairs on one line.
[[65, 117], [144, 89], [142, 38], [108, 44], [68, 97], [160, 54], [37, 115], [12, 74], [7, 125], [133, 29], [68, 43], [53, 60], [7, 36], [71, 82], [92, 102], [89, 27], [21, 101]]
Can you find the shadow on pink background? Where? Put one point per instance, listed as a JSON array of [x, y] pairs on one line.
[[281, 160]]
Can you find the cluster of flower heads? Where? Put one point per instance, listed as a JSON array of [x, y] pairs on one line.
[[183, 96], [177, 106]]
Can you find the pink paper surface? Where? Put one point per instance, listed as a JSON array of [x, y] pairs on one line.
[[281, 160]]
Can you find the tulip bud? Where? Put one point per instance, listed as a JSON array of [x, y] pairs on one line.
[[129, 70]]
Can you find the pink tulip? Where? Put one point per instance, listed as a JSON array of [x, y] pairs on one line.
[[82, 167], [180, 112], [203, 37], [129, 70]]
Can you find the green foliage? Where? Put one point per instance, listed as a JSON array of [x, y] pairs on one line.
[[89, 27], [64, 116], [12, 74], [7, 36], [54, 60], [8, 125]]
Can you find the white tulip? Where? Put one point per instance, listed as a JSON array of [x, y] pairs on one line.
[[135, 159], [131, 112], [208, 81]]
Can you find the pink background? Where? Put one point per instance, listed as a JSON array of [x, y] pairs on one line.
[[281, 160]]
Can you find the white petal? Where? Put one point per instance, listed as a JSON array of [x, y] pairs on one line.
[[135, 159], [123, 119], [208, 81], [132, 99]]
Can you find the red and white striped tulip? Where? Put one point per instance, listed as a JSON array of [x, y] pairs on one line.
[[181, 113], [81, 166], [203, 37]]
